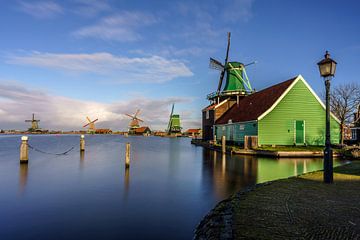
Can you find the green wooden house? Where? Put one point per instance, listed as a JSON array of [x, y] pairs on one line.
[[287, 113]]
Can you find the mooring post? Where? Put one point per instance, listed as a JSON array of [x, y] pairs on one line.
[[223, 144], [82, 143], [24, 150], [127, 156]]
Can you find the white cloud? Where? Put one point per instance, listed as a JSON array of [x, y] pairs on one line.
[[120, 27], [143, 69], [91, 8], [17, 103], [41, 9], [238, 10]]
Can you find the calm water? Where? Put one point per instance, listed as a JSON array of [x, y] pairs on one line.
[[170, 186]]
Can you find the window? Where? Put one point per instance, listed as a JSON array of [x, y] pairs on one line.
[[353, 134], [242, 127], [207, 114]]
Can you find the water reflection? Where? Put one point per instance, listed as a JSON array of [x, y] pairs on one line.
[[126, 182], [82, 159], [228, 174], [23, 176]]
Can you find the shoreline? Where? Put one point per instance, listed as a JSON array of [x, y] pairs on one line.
[[300, 207], [265, 153]]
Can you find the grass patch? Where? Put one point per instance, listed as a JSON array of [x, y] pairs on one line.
[[292, 148]]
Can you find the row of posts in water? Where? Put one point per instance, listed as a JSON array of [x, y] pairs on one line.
[[24, 150]]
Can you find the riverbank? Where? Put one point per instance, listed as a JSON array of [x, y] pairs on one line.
[[275, 152], [295, 208]]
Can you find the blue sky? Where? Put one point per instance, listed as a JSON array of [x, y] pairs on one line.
[[65, 60]]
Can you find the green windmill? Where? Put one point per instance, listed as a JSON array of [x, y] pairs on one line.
[[237, 81], [174, 126]]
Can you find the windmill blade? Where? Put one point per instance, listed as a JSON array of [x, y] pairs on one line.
[[215, 64], [95, 120], [139, 119], [88, 119], [226, 61], [129, 116], [137, 112], [86, 125], [254, 62]]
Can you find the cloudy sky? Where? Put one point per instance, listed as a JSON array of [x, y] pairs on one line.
[[65, 60]]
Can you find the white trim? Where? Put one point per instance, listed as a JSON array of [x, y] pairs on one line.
[[236, 123], [219, 104], [299, 77], [279, 99]]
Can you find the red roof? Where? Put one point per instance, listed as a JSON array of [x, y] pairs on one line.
[[191, 130], [252, 106], [141, 129], [210, 107]]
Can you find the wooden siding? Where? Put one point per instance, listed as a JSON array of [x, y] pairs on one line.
[[220, 110], [277, 127], [207, 125], [236, 131]]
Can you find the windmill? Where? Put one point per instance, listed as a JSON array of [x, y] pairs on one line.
[[237, 82], [34, 124], [91, 124], [174, 126], [134, 123]]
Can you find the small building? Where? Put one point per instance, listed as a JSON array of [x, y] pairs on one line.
[[142, 131], [288, 113], [212, 113], [103, 131], [193, 132]]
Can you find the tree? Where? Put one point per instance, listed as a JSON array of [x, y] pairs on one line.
[[344, 101]]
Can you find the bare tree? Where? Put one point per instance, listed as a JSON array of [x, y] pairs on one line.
[[344, 101]]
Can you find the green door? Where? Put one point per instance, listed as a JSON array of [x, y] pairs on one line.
[[299, 132]]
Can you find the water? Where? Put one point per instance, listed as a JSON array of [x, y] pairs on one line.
[[169, 187]]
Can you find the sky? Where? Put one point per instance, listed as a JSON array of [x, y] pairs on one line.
[[65, 60]]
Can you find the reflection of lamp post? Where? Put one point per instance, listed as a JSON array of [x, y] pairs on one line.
[[327, 68]]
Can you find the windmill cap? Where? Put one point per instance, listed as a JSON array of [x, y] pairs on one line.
[[24, 138]]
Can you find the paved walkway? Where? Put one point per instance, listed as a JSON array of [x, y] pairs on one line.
[[295, 208]]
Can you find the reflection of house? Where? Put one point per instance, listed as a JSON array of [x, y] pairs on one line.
[[193, 132], [284, 114], [142, 130]]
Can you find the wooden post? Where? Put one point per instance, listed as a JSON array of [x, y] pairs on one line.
[[223, 144], [214, 138], [82, 143], [24, 150], [127, 156], [246, 141]]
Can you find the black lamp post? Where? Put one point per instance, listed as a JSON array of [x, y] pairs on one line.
[[327, 68]]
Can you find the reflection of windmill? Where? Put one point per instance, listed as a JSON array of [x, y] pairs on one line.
[[134, 123], [237, 82], [34, 123], [174, 123], [91, 125]]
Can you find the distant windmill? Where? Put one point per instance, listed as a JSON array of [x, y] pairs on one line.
[[134, 123], [34, 123], [174, 123], [91, 125], [237, 82]]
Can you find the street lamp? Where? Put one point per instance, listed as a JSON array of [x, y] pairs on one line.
[[327, 68]]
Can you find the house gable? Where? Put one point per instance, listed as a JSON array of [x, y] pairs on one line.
[[297, 103]]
